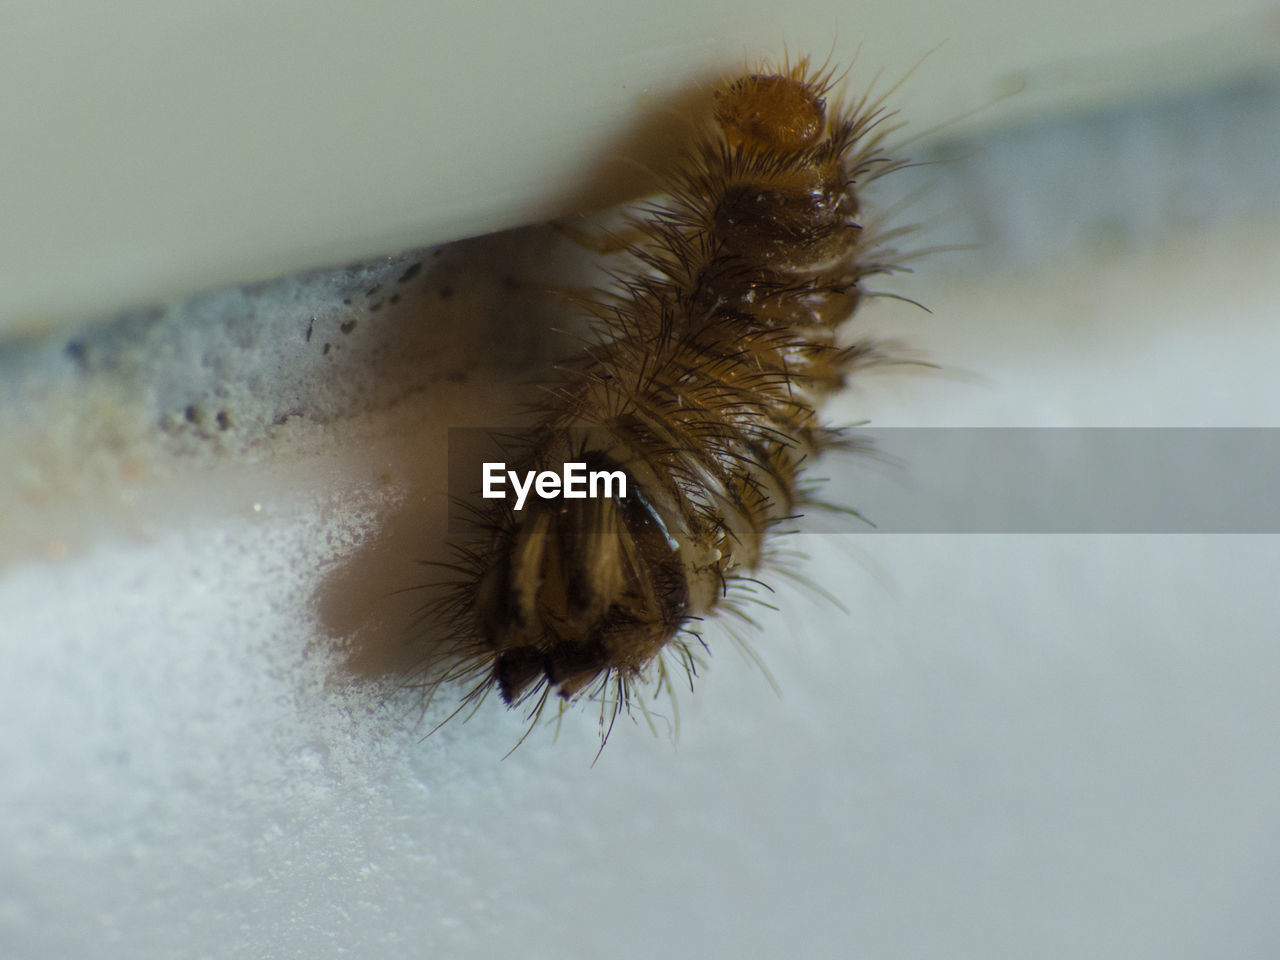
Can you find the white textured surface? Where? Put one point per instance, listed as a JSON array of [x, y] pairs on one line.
[[1063, 747], [1013, 746]]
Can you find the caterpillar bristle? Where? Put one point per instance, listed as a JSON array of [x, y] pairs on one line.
[[699, 383]]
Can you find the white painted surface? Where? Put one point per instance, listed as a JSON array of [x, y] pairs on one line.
[[152, 150]]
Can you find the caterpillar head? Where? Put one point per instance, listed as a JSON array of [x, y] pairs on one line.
[[777, 114]]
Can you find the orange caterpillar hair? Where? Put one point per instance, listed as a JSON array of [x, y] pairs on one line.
[[700, 385]]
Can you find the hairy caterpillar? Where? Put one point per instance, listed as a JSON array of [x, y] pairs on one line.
[[700, 386]]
